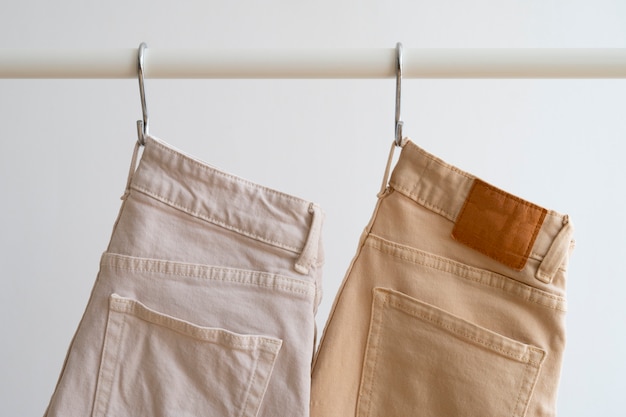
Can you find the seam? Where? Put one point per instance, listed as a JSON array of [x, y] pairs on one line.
[[211, 277], [113, 361], [538, 257], [209, 219], [376, 327], [213, 220], [534, 296], [223, 337], [440, 323], [407, 193], [488, 252], [423, 202], [438, 161], [249, 387], [205, 167], [519, 393], [527, 387], [379, 322]]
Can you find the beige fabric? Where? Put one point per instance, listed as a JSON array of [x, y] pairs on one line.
[[204, 303], [426, 325]]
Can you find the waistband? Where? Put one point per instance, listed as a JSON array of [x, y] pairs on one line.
[[498, 224], [202, 191]]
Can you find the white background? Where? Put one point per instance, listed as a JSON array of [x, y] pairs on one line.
[[65, 147]]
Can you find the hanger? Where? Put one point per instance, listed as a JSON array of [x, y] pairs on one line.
[[399, 141], [142, 125], [399, 123]]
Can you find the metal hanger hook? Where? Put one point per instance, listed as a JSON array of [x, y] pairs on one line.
[[142, 125], [399, 123]]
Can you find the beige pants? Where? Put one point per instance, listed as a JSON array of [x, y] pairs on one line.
[[205, 300], [453, 306]]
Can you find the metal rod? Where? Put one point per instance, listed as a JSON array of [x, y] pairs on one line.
[[315, 63]]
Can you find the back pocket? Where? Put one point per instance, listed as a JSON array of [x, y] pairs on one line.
[[421, 360], [157, 365]]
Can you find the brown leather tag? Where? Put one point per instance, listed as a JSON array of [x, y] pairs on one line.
[[498, 224]]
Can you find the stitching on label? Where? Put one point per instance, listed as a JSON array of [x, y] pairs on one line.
[[505, 252]]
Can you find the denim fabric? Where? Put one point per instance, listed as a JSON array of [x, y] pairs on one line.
[[454, 304], [204, 303]]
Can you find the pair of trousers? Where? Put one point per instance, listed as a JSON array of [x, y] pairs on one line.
[[454, 304], [206, 296], [204, 303]]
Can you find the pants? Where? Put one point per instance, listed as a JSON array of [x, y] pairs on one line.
[[453, 306], [204, 303]]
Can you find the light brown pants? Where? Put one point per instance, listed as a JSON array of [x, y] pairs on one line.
[[453, 306]]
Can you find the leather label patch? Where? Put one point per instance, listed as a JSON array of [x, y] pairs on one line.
[[498, 224]]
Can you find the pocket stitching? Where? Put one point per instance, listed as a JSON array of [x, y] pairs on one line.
[[384, 297], [531, 375], [121, 308], [101, 402], [529, 351], [377, 316], [524, 358], [205, 272], [485, 277], [247, 394], [217, 336]]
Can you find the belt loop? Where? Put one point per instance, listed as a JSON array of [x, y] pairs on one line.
[[383, 186], [131, 170], [309, 252], [556, 253]]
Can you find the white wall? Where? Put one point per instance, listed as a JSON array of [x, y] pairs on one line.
[[65, 147]]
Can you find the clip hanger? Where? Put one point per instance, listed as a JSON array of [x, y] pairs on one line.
[[142, 125]]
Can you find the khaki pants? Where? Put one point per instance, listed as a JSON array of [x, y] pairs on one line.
[[453, 306], [205, 300]]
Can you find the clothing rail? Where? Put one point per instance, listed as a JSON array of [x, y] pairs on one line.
[[315, 63]]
